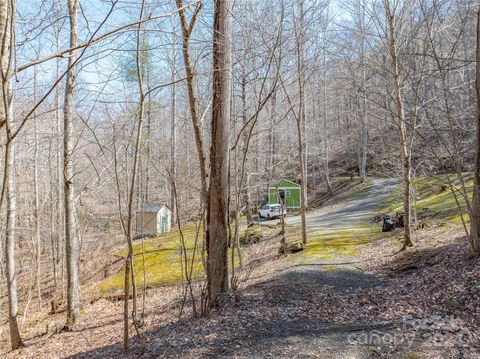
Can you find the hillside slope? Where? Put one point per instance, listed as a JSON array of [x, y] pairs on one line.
[[350, 294]]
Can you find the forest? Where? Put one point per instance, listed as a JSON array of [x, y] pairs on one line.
[[240, 178]]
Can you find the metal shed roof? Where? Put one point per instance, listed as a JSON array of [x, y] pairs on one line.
[[151, 207], [284, 183]]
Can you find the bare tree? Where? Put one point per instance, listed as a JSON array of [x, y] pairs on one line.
[[362, 155], [300, 48], [301, 164], [71, 230], [475, 213], [15, 338], [217, 233], [187, 28], [7, 49], [398, 99], [128, 226], [173, 128]]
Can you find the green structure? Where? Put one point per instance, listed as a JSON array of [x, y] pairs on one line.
[[288, 190]]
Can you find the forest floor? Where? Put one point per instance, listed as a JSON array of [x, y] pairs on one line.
[[350, 294]]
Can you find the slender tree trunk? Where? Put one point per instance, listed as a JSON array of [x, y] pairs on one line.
[[475, 213], [300, 119], [129, 262], [248, 205], [362, 165], [326, 169], [301, 93], [192, 99], [7, 32], [283, 239], [217, 235], [15, 338], [7, 39], [71, 232], [52, 182], [173, 129], [244, 162], [401, 125], [59, 243], [273, 137], [36, 204], [303, 185]]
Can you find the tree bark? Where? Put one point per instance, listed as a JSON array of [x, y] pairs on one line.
[[326, 169], [301, 93], [173, 129], [475, 213], [71, 232], [300, 119], [15, 338], [7, 39], [362, 163], [129, 261], [273, 137], [401, 124], [192, 99], [217, 234], [36, 205]]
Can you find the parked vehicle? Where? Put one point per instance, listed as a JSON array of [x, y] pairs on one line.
[[271, 211]]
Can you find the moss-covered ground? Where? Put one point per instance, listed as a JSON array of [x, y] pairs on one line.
[[326, 245], [434, 199], [162, 257]]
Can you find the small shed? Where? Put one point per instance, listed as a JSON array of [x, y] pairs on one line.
[[288, 190], [153, 219]]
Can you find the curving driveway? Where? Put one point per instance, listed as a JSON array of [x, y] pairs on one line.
[[350, 212]]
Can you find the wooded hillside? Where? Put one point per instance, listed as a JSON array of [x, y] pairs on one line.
[[111, 108]]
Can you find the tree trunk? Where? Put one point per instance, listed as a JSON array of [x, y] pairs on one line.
[[475, 213], [173, 129], [7, 38], [300, 119], [71, 233], [192, 99], [248, 205], [15, 338], [326, 171], [362, 163], [217, 235], [129, 262], [301, 90], [36, 205], [273, 137], [401, 125], [58, 245]]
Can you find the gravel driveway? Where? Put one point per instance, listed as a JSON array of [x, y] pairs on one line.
[[352, 211]]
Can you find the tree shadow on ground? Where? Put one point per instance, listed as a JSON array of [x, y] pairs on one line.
[[273, 317], [451, 254], [275, 339]]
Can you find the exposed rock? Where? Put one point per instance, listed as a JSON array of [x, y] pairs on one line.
[[250, 237], [295, 247]]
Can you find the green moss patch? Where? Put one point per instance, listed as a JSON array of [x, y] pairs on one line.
[[434, 198], [162, 260], [326, 245]]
